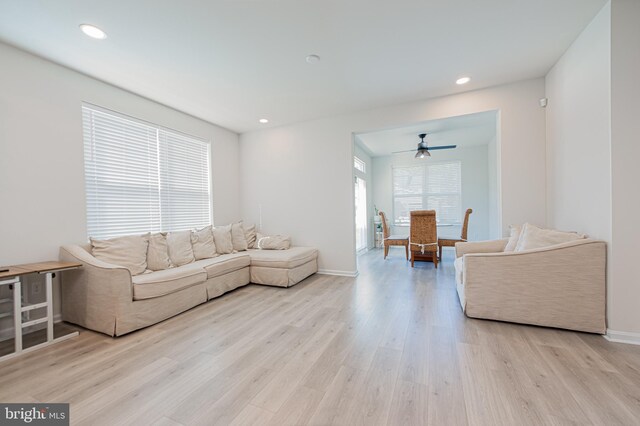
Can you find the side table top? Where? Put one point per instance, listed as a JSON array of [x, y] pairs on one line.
[[38, 267], [13, 272], [49, 266]]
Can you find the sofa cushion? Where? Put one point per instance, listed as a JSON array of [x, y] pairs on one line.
[[238, 238], [129, 252], [158, 252], [287, 259], [250, 235], [180, 249], [272, 242], [202, 243], [532, 237], [283, 277], [159, 283], [224, 264], [222, 237]]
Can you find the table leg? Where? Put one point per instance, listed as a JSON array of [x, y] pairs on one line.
[[49, 289], [17, 315]]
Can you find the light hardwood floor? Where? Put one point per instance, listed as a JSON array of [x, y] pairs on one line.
[[389, 347]]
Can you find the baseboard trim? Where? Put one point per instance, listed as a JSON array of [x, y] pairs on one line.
[[623, 337], [350, 274]]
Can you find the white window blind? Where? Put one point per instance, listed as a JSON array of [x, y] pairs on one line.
[[142, 178], [434, 186]]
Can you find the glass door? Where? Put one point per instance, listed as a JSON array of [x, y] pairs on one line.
[[361, 213]]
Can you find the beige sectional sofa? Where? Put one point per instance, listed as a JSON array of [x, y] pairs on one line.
[[107, 298], [562, 285]]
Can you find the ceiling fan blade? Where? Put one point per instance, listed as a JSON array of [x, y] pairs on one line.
[[400, 152], [432, 148]]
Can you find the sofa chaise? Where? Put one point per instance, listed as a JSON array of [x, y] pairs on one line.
[[104, 297]]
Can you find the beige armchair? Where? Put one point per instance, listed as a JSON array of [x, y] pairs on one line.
[[560, 286]]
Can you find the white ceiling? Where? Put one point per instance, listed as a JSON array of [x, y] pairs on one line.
[[233, 62], [463, 131]]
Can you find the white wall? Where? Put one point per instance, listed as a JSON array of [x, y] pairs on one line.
[[367, 176], [578, 141], [624, 288], [493, 171], [41, 153], [592, 133], [301, 174], [475, 187]]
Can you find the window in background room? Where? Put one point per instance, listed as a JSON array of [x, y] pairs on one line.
[[432, 186], [358, 164], [140, 177]]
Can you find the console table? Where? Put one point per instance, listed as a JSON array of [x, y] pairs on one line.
[[12, 278]]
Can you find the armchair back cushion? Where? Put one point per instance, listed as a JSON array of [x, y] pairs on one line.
[[514, 235], [532, 237]]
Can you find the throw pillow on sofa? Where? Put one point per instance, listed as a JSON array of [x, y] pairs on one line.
[[203, 245], [514, 236], [222, 238], [129, 252], [533, 237], [273, 242], [250, 235], [180, 250], [158, 252], [238, 238]]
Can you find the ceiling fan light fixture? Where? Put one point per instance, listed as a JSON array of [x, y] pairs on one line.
[[422, 153]]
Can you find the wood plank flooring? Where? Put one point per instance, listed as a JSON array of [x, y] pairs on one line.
[[389, 347]]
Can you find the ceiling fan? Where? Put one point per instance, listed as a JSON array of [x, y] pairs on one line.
[[423, 149]]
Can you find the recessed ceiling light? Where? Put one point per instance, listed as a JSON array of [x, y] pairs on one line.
[[263, 120], [463, 80], [93, 31], [312, 59]]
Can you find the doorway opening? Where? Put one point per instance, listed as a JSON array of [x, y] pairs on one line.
[[448, 165]]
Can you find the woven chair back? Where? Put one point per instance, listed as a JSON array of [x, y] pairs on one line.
[[423, 227]]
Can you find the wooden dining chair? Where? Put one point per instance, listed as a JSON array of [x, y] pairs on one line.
[[423, 236], [392, 240], [451, 242]]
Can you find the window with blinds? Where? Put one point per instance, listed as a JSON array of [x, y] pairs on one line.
[[142, 178], [433, 186]]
